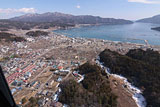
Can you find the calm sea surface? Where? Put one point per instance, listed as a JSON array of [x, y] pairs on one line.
[[134, 33]]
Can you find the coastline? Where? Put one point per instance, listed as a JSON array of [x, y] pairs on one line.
[[115, 44], [129, 44], [124, 33]]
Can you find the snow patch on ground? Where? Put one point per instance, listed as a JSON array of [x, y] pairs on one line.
[[82, 78], [137, 96], [139, 99]]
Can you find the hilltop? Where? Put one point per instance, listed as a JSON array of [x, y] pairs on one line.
[[94, 91]]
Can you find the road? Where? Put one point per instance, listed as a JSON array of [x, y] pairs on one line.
[[39, 74], [43, 84], [39, 89], [37, 57], [67, 75]]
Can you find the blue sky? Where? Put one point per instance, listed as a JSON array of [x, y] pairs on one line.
[[127, 9]]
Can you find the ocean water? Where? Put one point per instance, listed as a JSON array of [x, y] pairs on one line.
[[134, 33]]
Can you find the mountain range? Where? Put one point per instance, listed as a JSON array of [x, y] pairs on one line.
[[68, 18], [49, 19]]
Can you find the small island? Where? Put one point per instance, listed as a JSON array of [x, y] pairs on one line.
[[156, 28]]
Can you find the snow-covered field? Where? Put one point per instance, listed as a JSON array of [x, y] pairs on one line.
[[137, 96]]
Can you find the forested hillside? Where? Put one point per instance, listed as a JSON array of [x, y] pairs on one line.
[[37, 33], [140, 67], [8, 37], [93, 91]]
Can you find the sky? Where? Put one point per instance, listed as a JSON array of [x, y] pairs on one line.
[[124, 9]]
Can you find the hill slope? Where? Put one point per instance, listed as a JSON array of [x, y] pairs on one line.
[[93, 91], [154, 19], [142, 68]]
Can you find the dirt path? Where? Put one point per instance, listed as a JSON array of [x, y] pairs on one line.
[[124, 97]]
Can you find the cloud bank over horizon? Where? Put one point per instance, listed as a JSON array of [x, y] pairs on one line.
[[145, 1], [21, 10]]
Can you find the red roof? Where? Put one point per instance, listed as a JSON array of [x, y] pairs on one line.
[[60, 67]]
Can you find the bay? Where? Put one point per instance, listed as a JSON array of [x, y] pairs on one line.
[[134, 33]]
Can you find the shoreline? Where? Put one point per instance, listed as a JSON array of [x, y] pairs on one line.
[[53, 29], [121, 46], [131, 45], [104, 40], [132, 39]]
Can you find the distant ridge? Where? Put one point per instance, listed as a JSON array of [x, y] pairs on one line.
[[154, 19], [67, 18]]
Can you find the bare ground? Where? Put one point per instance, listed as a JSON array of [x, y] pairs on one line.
[[124, 97]]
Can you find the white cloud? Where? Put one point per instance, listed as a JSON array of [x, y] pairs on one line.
[[78, 6], [22, 10], [27, 10], [145, 1]]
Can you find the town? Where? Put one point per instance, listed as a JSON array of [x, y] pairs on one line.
[[35, 68]]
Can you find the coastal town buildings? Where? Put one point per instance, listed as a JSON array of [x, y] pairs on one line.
[[36, 67]]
